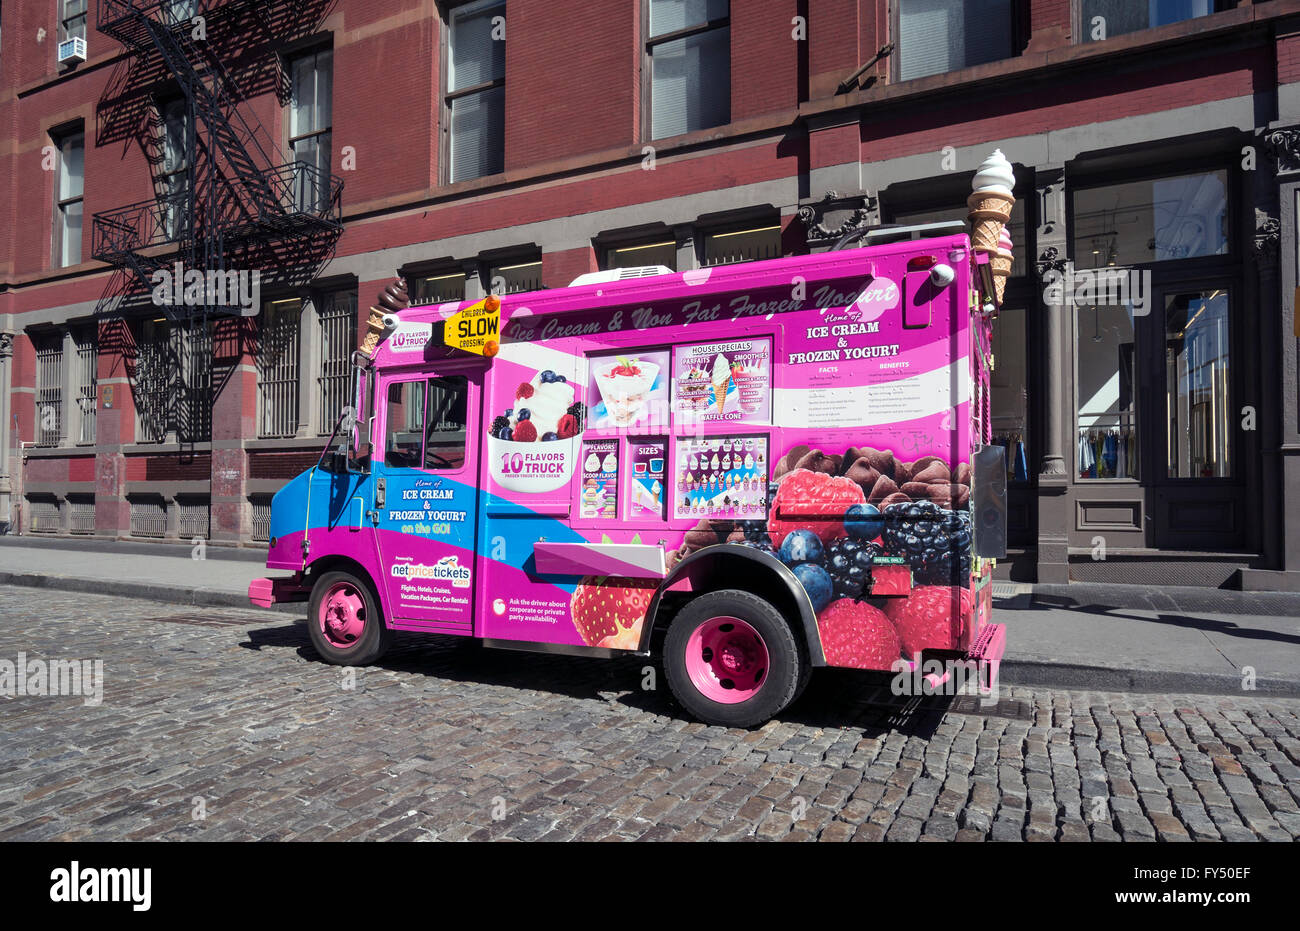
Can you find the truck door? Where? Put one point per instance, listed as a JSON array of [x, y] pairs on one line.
[[426, 496]]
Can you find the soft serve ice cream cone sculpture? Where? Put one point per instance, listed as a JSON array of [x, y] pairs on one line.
[[990, 206], [393, 298]]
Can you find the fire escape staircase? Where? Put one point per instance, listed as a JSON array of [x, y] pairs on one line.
[[237, 195]]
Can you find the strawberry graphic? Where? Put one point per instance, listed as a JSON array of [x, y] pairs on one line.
[[932, 617], [857, 635], [609, 607], [628, 367], [817, 501]]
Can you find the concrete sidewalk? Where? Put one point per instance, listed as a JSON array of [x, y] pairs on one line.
[[1113, 637]]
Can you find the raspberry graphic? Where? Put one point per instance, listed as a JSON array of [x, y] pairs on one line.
[[932, 617], [823, 497], [568, 426], [609, 607], [525, 390], [525, 432], [857, 635]]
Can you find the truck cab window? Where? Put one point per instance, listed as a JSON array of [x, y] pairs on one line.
[[404, 425], [444, 446]]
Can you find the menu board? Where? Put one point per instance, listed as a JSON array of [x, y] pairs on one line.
[[649, 487], [599, 499], [721, 476], [723, 383], [628, 389]]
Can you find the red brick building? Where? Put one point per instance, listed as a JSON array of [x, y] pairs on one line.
[[514, 144]]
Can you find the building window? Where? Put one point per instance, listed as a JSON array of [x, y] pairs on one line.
[[937, 36], [337, 322], [310, 125], [86, 382], [72, 19], [172, 381], [744, 245], [277, 369], [437, 289], [69, 192], [1154, 220], [689, 63], [474, 106], [1108, 437], [49, 389], [654, 253], [1197, 378], [1101, 19], [516, 277], [174, 178], [179, 11]]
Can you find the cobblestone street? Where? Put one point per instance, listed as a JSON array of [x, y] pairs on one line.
[[219, 724]]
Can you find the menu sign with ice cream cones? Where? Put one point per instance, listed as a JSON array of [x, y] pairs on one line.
[[723, 383], [721, 476], [649, 489]]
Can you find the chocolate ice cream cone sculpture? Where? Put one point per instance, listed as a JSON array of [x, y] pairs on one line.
[[392, 299], [990, 206]]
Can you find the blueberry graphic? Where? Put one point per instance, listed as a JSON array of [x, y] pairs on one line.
[[800, 546], [509, 412], [561, 379], [504, 434], [547, 377], [816, 582], [547, 437], [524, 414], [864, 521]]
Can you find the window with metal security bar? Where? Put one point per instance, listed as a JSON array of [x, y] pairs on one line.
[[176, 12], [1101, 19], [438, 289], [49, 389], [745, 245], [86, 383], [174, 176], [261, 512], [69, 196], [277, 369], [310, 126], [688, 57], [638, 256], [43, 515], [192, 518], [148, 518], [172, 381], [513, 278], [81, 514], [337, 319]]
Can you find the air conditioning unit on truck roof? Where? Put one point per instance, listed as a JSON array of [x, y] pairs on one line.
[[754, 470]]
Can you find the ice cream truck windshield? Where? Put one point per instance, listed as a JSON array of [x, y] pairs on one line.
[[745, 472]]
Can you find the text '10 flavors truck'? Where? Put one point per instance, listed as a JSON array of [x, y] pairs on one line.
[[747, 471]]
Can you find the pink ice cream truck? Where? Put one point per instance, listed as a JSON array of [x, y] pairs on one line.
[[744, 471]]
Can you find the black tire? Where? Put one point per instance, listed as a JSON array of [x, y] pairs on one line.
[[375, 636], [788, 666]]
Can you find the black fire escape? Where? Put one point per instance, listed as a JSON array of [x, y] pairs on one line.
[[244, 207]]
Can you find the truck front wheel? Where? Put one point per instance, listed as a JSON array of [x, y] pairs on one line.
[[731, 659], [344, 620]]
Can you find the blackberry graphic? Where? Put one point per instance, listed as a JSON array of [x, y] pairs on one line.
[[579, 412], [935, 541], [498, 423], [849, 563]]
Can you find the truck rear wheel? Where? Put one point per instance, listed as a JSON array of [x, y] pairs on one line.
[[731, 659], [346, 626]]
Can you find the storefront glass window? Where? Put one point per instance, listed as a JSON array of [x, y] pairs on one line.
[[1107, 438], [1196, 384], [1009, 394], [1154, 220]]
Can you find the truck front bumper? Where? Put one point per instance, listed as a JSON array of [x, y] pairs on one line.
[[285, 588]]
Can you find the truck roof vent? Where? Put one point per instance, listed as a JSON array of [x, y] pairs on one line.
[[619, 274]]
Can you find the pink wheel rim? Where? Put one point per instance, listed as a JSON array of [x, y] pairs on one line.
[[342, 615], [726, 660]]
